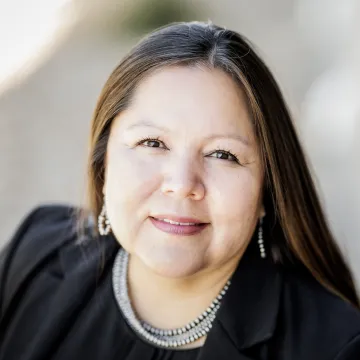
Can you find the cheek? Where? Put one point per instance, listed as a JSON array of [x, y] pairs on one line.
[[129, 182], [235, 193], [234, 205], [128, 175]]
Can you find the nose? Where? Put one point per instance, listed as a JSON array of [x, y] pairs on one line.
[[182, 180]]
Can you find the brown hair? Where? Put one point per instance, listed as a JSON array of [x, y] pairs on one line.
[[297, 231]]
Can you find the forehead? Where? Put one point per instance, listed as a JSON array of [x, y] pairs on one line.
[[200, 98]]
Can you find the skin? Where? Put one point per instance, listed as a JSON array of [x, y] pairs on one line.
[[183, 171]]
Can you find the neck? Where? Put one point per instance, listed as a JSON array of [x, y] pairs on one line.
[[169, 303]]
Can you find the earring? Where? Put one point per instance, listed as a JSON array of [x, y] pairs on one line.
[[103, 222], [261, 240]]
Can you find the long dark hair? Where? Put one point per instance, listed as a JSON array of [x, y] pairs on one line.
[[297, 230]]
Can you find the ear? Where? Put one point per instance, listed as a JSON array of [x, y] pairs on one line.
[[262, 211], [103, 190], [104, 183]]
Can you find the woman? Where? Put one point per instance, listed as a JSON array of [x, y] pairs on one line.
[[211, 241]]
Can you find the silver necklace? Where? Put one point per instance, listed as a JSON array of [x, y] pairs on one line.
[[169, 338]]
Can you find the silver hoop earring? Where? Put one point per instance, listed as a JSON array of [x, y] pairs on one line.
[[103, 222], [261, 240]]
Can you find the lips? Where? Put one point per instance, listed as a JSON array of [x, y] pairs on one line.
[[178, 219], [183, 226]]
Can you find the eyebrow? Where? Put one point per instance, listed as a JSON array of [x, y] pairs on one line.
[[148, 124], [240, 138]]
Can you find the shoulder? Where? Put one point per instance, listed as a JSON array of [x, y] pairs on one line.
[[42, 220], [42, 230], [320, 319], [46, 238]]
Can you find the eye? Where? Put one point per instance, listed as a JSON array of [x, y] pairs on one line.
[[224, 155], [152, 143]]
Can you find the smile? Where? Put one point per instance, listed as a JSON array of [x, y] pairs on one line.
[[176, 227], [177, 223]]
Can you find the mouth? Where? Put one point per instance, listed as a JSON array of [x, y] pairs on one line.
[[180, 226]]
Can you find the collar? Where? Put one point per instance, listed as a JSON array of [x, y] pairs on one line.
[[249, 310]]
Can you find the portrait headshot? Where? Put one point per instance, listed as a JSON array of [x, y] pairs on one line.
[[202, 234]]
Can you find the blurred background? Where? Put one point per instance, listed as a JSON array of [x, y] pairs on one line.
[[56, 55]]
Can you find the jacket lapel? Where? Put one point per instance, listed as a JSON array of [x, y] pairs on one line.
[[248, 314], [218, 345]]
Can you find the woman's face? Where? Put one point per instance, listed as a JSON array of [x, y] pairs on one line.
[[184, 151]]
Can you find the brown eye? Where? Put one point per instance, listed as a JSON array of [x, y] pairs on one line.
[[224, 155], [152, 143]]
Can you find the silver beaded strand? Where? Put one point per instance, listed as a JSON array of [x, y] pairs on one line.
[[160, 337], [261, 240]]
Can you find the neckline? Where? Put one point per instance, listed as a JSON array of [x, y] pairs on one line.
[[197, 329], [136, 339]]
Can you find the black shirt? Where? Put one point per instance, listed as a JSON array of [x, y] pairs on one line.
[[56, 302]]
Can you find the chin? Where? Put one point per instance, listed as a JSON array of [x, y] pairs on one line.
[[176, 266]]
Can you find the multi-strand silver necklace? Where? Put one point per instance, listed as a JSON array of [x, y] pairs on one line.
[[173, 338]]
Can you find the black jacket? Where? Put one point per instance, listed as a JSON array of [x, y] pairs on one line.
[[48, 276]]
